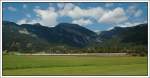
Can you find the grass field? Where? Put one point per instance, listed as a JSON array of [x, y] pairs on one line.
[[73, 65]]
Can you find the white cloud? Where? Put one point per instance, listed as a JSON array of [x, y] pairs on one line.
[[97, 13], [130, 24], [110, 28], [75, 12], [22, 21], [133, 10], [69, 6], [47, 17], [26, 21], [82, 22], [12, 8], [138, 13], [60, 5], [127, 24], [78, 12], [66, 8], [96, 30], [114, 17], [82, 16]]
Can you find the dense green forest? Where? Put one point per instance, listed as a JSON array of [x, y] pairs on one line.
[[72, 38]]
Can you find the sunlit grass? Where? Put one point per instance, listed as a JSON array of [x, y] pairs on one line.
[[73, 65]]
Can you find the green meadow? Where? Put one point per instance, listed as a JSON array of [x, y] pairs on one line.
[[28, 65]]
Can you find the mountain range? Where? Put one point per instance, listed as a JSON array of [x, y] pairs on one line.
[[35, 37], [136, 34]]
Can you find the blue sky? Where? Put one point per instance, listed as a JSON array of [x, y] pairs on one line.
[[94, 16]]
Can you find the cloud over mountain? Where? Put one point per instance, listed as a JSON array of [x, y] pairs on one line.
[[91, 15], [114, 17], [49, 16], [82, 22]]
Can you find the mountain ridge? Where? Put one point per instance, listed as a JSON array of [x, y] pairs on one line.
[[36, 38], [66, 34]]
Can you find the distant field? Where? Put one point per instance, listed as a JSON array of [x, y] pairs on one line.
[[73, 65]]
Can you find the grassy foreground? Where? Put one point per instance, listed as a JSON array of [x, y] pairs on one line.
[[73, 65]]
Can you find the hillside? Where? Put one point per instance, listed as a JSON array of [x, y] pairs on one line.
[[37, 37], [72, 38], [135, 34]]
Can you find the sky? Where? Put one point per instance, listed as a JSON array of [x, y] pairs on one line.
[[94, 16]]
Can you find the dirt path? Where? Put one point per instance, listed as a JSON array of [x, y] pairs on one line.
[[80, 54]]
